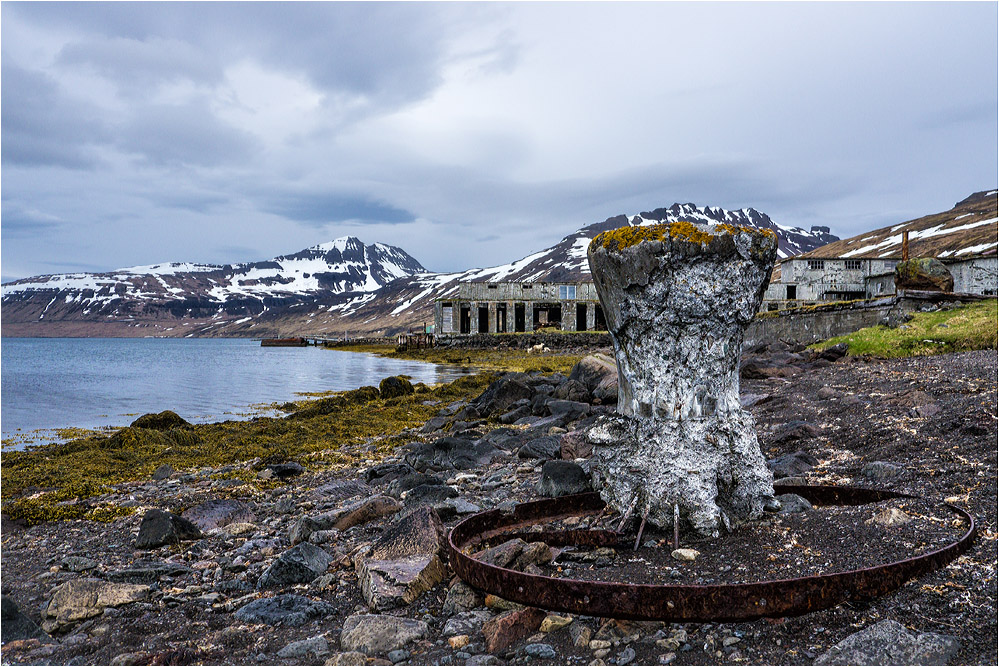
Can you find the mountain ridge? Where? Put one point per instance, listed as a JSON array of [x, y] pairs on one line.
[[341, 286]]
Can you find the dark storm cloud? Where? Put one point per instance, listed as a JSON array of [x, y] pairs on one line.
[[41, 126], [322, 209]]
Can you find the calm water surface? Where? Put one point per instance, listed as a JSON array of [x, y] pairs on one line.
[[53, 383]]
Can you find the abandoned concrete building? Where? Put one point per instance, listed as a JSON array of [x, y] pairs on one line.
[[507, 307]]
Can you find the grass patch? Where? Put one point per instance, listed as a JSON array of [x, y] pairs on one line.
[[495, 359], [971, 327], [51, 481]]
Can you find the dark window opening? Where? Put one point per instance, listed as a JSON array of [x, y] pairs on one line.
[[465, 320], [792, 292], [580, 317], [548, 316], [519, 321], [483, 319], [599, 323], [853, 264]]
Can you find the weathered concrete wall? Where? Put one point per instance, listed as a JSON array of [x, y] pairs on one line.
[[556, 341], [810, 326], [975, 276]]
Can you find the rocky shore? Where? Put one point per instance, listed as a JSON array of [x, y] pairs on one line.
[[345, 565]]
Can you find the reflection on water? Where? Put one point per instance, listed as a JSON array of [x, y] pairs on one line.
[[51, 383]]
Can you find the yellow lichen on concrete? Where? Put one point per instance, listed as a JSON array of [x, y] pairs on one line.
[[625, 237]]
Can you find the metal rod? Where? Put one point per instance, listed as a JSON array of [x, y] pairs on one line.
[[627, 515], [676, 526], [641, 528]]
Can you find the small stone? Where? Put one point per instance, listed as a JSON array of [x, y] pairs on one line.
[[667, 658], [507, 628], [159, 528], [298, 565], [580, 635], [372, 634], [890, 517], [685, 554], [314, 646], [162, 472], [598, 644], [730, 641], [398, 655], [540, 651], [554, 622], [602, 653], [458, 641], [289, 610], [346, 658], [625, 657]]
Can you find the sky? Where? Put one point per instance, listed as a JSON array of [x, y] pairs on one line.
[[473, 134]]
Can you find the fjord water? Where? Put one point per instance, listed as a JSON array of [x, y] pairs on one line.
[[50, 383]]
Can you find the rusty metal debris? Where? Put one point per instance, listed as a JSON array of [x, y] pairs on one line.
[[723, 602]]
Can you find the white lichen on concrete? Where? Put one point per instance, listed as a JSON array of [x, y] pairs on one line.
[[677, 305]]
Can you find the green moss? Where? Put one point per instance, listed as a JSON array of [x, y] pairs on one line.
[[971, 327], [625, 237]]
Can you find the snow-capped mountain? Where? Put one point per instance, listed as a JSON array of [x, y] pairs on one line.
[[324, 290]]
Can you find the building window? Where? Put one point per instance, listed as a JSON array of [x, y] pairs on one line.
[[853, 264], [567, 291], [792, 292], [526, 286], [816, 264], [493, 286]]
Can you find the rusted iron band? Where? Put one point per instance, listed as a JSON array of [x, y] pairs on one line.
[[722, 602]]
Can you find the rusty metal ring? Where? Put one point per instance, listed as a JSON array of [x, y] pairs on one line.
[[721, 602]]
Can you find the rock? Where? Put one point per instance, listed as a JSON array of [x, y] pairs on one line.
[[287, 609], [572, 390], [791, 503], [159, 528], [825, 393], [890, 643], [147, 572], [387, 472], [162, 472], [545, 447], [792, 464], [625, 657], [507, 628], [386, 584], [398, 655], [80, 599], [78, 563], [574, 445], [427, 494], [452, 453], [163, 421], [515, 414], [298, 565], [315, 647], [927, 410], [354, 514], [890, 517], [15, 626], [348, 658], [568, 410], [502, 554], [598, 374], [924, 273], [374, 634], [461, 597], [554, 622], [834, 352], [339, 491], [285, 470], [580, 635], [685, 554], [483, 659], [394, 386], [881, 470], [534, 553], [540, 651], [793, 431], [465, 623], [562, 478], [452, 507], [214, 514], [502, 393], [419, 532], [458, 641]]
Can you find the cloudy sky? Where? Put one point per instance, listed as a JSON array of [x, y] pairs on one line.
[[473, 134]]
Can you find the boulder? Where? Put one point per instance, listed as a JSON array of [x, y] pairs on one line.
[[890, 643], [419, 532], [510, 627], [394, 386], [465, 623], [568, 410], [214, 514], [461, 597], [162, 421], [793, 431], [147, 572], [790, 465], [452, 453], [298, 565], [373, 634], [387, 472], [15, 626], [924, 273], [354, 514], [562, 478], [575, 445], [285, 470], [80, 599], [288, 610], [338, 491], [572, 390], [502, 393], [314, 647], [159, 528], [791, 503], [598, 373], [545, 447]]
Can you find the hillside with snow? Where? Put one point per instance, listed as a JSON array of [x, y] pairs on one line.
[[329, 289]]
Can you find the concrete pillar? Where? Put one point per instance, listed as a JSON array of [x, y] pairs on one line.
[[492, 317], [568, 316], [528, 316], [591, 316]]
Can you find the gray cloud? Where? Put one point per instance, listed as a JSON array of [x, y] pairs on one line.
[[324, 208]]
